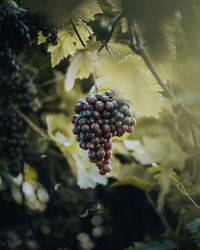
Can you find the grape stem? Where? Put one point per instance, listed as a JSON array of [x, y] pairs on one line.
[[77, 33], [97, 89], [118, 18]]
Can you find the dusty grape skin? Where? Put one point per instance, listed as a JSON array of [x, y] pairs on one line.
[[109, 93], [99, 106], [96, 115], [108, 145], [92, 155], [106, 128], [95, 127], [95, 140], [99, 164], [98, 96], [100, 154], [109, 106], [104, 99], [91, 99]]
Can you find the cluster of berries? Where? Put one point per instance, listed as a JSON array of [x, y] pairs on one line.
[[98, 119]]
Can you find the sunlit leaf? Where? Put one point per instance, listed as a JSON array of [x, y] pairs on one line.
[[68, 43], [81, 65], [87, 10]]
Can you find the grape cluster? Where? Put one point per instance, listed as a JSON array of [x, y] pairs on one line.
[[16, 93], [98, 119], [15, 38], [38, 22]]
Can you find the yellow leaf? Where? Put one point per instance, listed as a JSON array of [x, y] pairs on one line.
[[81, 65], [68, 43], [124, 25], [132, 77], [87, 10], [116, 4], [41, 38]]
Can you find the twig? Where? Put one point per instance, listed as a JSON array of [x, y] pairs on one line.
[[182, 189], [118, 18], [85, 26], [31, 124], [77, 33], [163, 219], [51, 81], [95, 84], [49, 98], [137, 46]]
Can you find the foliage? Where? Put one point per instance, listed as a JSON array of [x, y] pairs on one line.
[[158, 70]]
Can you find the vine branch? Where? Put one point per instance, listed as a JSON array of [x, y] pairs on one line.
[[137, 46], [77, 33], [31, 124], [163, 219], [118, 18]]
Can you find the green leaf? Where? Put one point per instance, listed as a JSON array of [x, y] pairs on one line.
[[68, 43], [60, 131], [87, 10], [159, 150], [133, 174], [116, 5]]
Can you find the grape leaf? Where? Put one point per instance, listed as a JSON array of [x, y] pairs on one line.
[[60, 131], [116, 5], [124, 25], [81, 65], [158, 150], [132, 174], [138, 83], [87, 10], [68, 43]]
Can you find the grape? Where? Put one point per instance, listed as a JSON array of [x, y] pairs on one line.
[[95, 140], [96, 115], [98, 96], [109, 93], [106, 114], [91, 99], [109, 106], [100, 154], [92, 155], [18, 91], [105, 99], [14, 39], [106, 128], [108, 145], [100, 118], [73, 119], [99, 164], [78, 108], [95, 127], [90, 146], [99, 106]]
